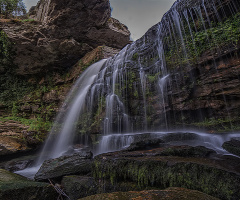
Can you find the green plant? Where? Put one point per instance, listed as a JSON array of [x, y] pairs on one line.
[[135, 57], [28, 20]]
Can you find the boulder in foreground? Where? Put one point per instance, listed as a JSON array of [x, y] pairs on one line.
[[78, 163], [170, 193], [13, 186]]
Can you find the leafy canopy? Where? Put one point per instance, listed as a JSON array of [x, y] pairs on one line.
[[10, 8]]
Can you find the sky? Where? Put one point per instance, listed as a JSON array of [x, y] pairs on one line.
[[137, 15]]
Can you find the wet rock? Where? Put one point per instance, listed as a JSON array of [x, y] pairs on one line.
[[170, 193], [19, 163], [79, 186], [146, 144], [13, 186], [232, 146], [170, 137], [78, 163], [187, 151], [186, 167]]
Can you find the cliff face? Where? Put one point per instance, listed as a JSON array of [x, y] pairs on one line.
[[183, 73], [199, 67], [62, 34]]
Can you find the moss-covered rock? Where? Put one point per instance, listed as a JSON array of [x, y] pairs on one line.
[[167, 194], [216, 177], [13, 186], [146, 144], [81, 186]]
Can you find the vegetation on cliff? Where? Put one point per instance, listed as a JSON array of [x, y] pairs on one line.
[[218, 37]]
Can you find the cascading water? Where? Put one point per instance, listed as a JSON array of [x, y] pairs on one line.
[[66, 123], [153, 83], [160, 90], [63, 131]]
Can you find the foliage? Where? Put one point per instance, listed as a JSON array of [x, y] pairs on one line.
[[5, 50], [10, 8], [12, 87], [28, 20], [35, 124], [198, 41], [135, 56], [220, 124]]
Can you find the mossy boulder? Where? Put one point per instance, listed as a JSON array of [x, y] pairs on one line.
[[186, 167], [79, 186], [232, 146], [65, 165], [149, 143], [179, 136], [13, 186], [170, 193]]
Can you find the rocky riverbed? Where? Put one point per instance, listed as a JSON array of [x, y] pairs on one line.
[[163, 170]]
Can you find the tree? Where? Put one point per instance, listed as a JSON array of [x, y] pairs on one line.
[[10, 8]]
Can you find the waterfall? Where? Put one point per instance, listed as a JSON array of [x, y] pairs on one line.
[[152, 84], [63, 131], [155, 83]]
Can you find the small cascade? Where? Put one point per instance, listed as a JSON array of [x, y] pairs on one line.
[[114, 142], [162, 65], [116, 119], [162, 86], [143, 86], [63, 131]]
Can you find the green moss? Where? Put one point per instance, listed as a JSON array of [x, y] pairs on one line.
[[220, 124], [36, 124], [161, 174], [135, 57], [217, 36]]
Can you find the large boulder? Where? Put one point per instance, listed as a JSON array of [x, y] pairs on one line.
[[13, 186], [78, 163], [17, 164], [170, 193], [190, 167], [79, 186]]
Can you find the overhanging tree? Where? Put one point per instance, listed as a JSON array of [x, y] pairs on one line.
[[10, 8]]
